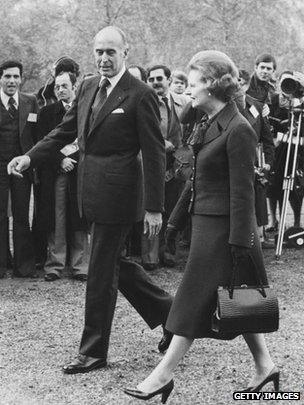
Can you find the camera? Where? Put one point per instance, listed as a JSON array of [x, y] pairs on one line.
[[292, 84]]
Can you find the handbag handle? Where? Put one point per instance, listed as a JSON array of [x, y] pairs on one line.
[[234, 270]]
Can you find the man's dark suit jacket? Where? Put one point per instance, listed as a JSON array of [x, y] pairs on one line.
[[27, 111], [109, 169], [27, 105], [49, 117]]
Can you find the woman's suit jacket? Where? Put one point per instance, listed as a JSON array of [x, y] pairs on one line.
[[223, 179]]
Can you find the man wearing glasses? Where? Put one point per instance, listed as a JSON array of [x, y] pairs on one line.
[[57, 212], [171, 106]]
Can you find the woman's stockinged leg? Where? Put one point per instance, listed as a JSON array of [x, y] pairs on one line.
[[163, 372], [263, 362]]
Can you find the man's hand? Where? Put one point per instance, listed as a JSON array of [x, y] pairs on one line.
[[18, 165], [67, 164], [152, 223], [169, 147]]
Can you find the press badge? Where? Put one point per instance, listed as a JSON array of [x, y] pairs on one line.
[[254, 111], [32, 117]]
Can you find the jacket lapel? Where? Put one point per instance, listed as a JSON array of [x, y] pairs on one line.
[[88, 97], [116, 97], [24, 110], [212, 133], [221, 122], [59, 111]]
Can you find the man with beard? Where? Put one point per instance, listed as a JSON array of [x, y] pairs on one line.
[[114, 116]]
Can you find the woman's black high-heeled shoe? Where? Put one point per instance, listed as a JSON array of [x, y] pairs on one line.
[[273, 376], [164, 391]]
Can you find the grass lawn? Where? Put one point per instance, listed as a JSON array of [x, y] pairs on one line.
[[41, 325]]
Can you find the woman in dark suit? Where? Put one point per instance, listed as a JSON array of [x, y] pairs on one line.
[[223, 223]]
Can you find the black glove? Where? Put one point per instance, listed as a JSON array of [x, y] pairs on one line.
[[170, 237], [239, 252]]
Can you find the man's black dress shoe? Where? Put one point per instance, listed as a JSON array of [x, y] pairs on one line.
[[165, 340], [51, 277], [80, 277], [84, 364]]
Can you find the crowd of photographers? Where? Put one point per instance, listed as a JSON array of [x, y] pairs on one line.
[[57, 237]]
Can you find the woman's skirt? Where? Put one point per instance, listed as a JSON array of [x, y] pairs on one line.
[[209, 265]]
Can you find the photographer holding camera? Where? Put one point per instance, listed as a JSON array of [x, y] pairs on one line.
[[290, 95]]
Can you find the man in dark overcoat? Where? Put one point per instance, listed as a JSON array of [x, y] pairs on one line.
[[115, 116]]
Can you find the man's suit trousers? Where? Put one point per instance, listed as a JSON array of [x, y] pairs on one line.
[[24, 261], [65, 247], [108, 272]]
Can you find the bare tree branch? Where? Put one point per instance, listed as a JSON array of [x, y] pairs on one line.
[[116, 15]]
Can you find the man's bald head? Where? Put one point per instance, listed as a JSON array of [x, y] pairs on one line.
[[114, 33], [110, 50]]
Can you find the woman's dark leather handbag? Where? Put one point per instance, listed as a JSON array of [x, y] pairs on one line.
[[246, 309]]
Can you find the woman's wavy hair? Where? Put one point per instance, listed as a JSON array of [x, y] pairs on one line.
[[220, 69]]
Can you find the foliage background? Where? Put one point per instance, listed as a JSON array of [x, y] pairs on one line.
[[38, 32]]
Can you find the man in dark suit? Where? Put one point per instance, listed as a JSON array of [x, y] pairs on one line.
[[18, 116], [56, 208], [171, 106], [115, 116]]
